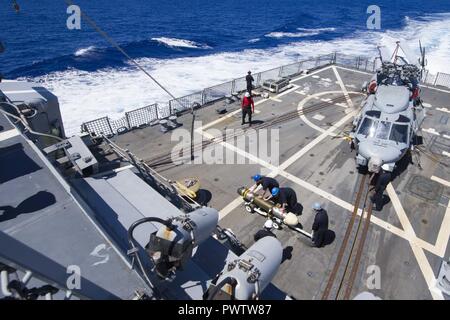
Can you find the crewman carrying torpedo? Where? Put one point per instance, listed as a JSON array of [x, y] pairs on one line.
[[286, 197], [266, 184]]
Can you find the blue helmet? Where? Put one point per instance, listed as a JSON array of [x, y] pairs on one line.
[[256, 177], [275, 191], [317, 206]]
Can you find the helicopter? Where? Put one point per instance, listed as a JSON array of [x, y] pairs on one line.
[[392, 112]]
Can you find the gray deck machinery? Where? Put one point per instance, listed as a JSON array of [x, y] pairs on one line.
[[173, 244], [392, 113], [247, 276]]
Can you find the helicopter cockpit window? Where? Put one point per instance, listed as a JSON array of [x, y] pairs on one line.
[[383, 130], [373, 113], [368, 127], [402, 118], [399, 133]]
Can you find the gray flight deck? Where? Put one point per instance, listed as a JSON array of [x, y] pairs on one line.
[[407, 240], [56, 223]]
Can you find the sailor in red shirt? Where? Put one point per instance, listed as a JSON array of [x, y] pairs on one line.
[[248, 107]]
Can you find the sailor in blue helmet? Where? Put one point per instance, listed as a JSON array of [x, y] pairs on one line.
[[320, 225], [286, 197], [264, 185]]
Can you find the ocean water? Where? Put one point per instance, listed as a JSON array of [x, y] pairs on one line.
[[191, 44]]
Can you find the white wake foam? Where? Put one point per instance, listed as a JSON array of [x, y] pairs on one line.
[[84, 51], [85, 96], [180, 43], [304, 32]]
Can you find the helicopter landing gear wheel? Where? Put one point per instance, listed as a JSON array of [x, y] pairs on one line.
[[249, 208]]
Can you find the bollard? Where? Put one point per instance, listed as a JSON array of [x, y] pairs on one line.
[[164, 128]]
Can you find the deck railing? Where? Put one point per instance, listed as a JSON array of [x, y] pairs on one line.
[[151, 114]]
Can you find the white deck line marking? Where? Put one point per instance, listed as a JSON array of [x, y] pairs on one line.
[[441, 181], [422, 260], [445, 153], [343, 88], [312, 125], [212, 123], [354, 70], [230, 207], [310, 74], [229, 115], [315, 77], [444, 233], [326, 79], [318, 117], [294, 87], [275, 99], [8, 134], [427, 105], [437, 89], [301, 92], [443, 110], [313, 143], [446, 136], [431, 130]]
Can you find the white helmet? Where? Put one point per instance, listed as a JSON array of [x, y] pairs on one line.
[[317, 206], [247, 95], [268, 224]]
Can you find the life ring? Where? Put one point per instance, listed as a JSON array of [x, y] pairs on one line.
[[372, 87]]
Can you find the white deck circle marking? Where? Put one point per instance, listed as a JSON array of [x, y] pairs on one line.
[[318, 117], [443, 110], [431, 131], [316, 96]]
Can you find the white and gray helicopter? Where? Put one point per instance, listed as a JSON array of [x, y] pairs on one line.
[[392, 112]]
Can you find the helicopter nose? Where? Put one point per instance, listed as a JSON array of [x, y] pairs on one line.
[[379, 155]]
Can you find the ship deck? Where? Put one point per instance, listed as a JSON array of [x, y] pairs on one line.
[[407, 239]]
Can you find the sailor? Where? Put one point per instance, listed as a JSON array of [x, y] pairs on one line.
[[266, 184], [383, 179], [265, 232], [320, 225], [286, 197], [249, 79], [248, 107]]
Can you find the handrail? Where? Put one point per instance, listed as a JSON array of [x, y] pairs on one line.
[[151, 114], [141, 165]]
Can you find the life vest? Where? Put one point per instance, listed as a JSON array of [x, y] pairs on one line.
[[415, 94]]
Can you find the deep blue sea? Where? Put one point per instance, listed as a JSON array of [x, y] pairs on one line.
[[191, 44]]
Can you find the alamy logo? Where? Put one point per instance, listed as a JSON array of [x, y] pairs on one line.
[[74, 20], [74, 278], [374, 278], [374, 20], [234, 146]]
